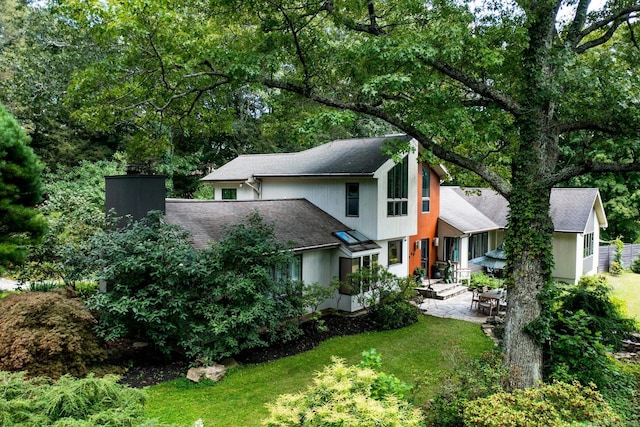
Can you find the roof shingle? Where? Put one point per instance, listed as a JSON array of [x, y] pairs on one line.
[[342, 157], [295, 221]]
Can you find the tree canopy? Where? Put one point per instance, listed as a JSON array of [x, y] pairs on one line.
[[523, 94]]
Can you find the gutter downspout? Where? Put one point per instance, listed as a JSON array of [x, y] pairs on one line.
[[255, 185]]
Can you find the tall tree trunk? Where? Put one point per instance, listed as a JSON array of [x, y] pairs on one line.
[[528, 246]]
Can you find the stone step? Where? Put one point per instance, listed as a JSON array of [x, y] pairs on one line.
[[451, 292], [441, 290]]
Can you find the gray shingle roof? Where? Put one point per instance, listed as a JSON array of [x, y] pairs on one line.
[[342, 157], [294, 220], [473, 210], [457, 211]]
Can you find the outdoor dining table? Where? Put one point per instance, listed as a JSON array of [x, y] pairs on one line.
[[493, 296]]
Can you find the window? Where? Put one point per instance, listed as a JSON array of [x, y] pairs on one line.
[[290, 271], [478, 245], [398, 189], [353, 199], [452, 249], [426, 187], [350, 266], [229, 194], [588, 245], [395, 252]]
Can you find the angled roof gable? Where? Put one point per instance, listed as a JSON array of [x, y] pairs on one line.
[[457, 211], [572, 207], [470, 210], [342, 157], [295, 221]]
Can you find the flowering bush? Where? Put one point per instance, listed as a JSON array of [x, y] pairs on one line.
[[558, 404], [347, 396]]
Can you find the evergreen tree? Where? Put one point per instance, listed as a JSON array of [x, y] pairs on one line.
[[20, 191]]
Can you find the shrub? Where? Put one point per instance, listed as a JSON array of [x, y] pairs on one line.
[[386, 296], [348, 396], [579, 326], [558, 404], [480, 378], [47, 334], [479, 280], [69, 402], [617, 267], [206, 304], [635, 266]]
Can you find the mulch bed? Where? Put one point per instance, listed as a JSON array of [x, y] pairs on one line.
[[145, 370]]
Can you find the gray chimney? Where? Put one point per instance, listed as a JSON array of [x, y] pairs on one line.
[[135, 195]]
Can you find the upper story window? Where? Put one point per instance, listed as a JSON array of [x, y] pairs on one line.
[[398, 189], [229, 193], [426, 190], [353, 199], [588, 245]]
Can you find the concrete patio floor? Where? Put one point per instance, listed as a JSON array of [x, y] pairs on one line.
[[456, 307]]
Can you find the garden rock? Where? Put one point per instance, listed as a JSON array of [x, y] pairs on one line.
[[213, 373]]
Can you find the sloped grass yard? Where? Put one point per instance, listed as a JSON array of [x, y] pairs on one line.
[[433, 345], [626, 287]]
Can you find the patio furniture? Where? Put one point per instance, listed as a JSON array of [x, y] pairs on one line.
[[489, 300], [475, 298]]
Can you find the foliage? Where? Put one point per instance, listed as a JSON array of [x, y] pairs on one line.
[[481, 377], [248, 293], [20, 191], [580, 326], [47, 334], [635, 265], [346, 396], [617, 266], [480, 280], [205, 304], [620, 200], [506, 91], [74, 211], [70, 402], [37, 63], [558, 404], [152, 274], [385, 296]]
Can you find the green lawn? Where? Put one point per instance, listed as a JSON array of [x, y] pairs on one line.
[[433, 344], [626, 287]]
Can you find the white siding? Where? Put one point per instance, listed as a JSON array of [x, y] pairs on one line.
[[329, 194], [567, 250]]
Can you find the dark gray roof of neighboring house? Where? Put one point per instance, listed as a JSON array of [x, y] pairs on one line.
[[468, 210], [294, 220], [358, 157]]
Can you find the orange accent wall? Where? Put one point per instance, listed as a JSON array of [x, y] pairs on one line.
[[427, 222]]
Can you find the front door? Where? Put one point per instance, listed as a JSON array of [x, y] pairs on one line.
[[424, 256]]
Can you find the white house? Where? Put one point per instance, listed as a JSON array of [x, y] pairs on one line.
[[473, 220], [354, 182]]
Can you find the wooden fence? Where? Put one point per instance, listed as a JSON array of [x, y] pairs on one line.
[[607, 254]]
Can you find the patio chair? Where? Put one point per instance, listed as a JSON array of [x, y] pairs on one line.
[[486, 305], [474, 298]]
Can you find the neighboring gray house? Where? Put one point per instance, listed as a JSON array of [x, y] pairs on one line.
[[473, 220]]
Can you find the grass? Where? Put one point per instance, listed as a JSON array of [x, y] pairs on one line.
[[433, 345], [626, 288]]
